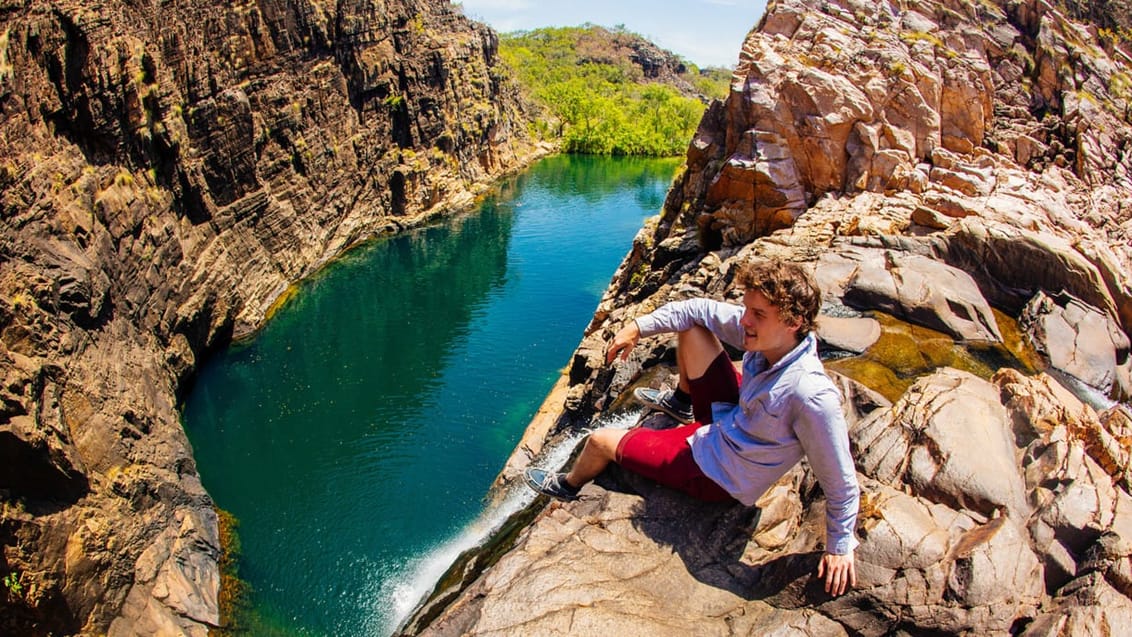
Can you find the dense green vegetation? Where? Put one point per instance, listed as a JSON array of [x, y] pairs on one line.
[[598, 99]]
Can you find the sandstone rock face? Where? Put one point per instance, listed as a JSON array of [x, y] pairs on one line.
[[167, 171], [925, 291], [615, 564], [1082, 342], [952, 164]]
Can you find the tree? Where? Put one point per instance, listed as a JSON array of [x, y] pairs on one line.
[[600, 108]]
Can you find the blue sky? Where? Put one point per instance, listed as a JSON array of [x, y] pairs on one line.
[[706, 32]]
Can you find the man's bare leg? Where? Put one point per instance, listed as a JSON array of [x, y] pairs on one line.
[[696, 349], [600, 450]]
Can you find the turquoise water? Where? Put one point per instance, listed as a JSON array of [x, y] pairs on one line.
[[361, 428]]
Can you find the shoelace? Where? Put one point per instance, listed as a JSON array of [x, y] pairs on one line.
[[668, 399], [549, 481]]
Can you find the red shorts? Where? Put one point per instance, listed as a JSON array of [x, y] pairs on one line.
[[663, 455], [719, 384]]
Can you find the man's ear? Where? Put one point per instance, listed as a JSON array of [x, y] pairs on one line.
[[794, 325]]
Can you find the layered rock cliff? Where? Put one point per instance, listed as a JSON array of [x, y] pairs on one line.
[[957, 176], [168, 170]]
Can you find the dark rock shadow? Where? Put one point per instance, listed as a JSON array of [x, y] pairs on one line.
[[710, 538]]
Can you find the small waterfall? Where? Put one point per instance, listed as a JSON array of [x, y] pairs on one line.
[[1091, 396], [400, 596]]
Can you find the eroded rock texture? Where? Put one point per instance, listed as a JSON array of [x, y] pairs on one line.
[[958, 166], [167, 170]]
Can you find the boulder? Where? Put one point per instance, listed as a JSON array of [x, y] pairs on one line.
[[1081, 341], [758, 190], [937, 568], [922, 444], [850, 334], [1040, 406], [858, 401], [1013, 263], [950, 204], [1075, 470], [923, 291], [966, 103], [1089, 606]]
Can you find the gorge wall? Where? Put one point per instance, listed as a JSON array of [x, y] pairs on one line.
[[167, 170], [964, 168]]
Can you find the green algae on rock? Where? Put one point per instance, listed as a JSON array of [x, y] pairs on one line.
[[906, 351]]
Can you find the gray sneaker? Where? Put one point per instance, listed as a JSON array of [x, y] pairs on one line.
[[551, 484], [666, 402]]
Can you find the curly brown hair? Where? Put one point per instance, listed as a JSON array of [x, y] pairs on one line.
[[788, 286]]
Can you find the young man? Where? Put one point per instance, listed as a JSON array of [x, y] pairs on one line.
[[749, 429]]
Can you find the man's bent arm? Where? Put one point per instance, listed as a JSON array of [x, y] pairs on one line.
[[722, 319]]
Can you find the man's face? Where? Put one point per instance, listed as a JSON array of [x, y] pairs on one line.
[[764, 329]]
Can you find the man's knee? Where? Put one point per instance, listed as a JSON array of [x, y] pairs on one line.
[[604, 442], [698, 348]]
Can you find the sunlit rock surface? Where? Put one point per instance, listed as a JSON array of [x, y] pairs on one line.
[[956, 172]]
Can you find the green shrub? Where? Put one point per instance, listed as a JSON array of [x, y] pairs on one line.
[[604, 106]]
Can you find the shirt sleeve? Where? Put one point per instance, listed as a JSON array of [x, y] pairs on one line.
[[820, 427], [722, 319]]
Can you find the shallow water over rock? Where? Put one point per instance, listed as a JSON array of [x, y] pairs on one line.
[[906, 352]]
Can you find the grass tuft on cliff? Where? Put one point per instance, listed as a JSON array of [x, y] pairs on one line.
[[610, 92]]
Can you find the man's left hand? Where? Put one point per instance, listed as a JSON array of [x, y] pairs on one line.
[[839, 572]]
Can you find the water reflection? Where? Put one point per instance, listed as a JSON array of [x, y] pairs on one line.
[[905, 352], [596, 178], [312, 427]]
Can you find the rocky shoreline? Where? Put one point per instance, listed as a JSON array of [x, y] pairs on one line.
[[949, 171]]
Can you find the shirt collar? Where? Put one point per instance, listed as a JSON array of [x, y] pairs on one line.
[[757, 362]]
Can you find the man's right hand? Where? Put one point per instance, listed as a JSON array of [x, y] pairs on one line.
[[623, 342], [839, 572]]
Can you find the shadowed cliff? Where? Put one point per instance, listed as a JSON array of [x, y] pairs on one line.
[[168, 170]]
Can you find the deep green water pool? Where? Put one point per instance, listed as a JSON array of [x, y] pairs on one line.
[[356, 435]]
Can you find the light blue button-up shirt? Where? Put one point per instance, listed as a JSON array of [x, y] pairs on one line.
[[786, 411]]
